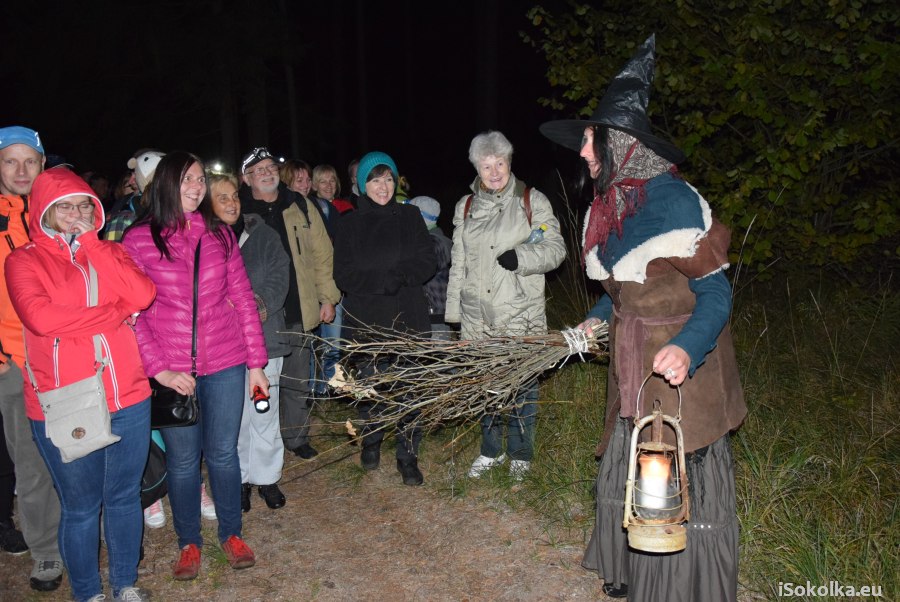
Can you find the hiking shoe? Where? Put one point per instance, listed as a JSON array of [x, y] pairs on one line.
[[518, 469], [46, 575], [246, 488], [239, 554], [132, 594], [273, 496], [188, 565], [410, 472], [207, 507], [11, 540], [155, 515], [482, 464], [306, 451]]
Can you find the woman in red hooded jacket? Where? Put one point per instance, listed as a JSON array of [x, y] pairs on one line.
[[48, 283], [229, 343]]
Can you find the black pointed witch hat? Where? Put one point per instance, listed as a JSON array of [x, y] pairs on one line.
[[623, 107]]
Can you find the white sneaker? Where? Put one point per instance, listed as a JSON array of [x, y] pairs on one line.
[[483, 464], [518, 469], [207, 507], [132, 594], [154, 515]]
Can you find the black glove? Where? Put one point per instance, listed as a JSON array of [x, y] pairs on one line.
[[509, 260], [393, 281]]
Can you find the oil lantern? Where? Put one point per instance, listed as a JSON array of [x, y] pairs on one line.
[[656, 491]]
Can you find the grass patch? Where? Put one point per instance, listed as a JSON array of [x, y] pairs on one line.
[[816, 461]]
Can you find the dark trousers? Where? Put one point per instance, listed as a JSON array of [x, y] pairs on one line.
[[378, 417], [296, 403], [7, 479]]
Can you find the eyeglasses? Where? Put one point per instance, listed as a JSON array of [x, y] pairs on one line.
[[81, 207], [261, 171]]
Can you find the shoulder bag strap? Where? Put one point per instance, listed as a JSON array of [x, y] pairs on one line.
[[99, 362], [194, 311]]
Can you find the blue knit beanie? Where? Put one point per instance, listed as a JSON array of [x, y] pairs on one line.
[[370, 162]]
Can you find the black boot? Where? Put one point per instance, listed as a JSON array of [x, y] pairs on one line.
[[11, 540], [372, 436], [273, 496], [409, 470], [615, 592], [245, 496], [370, 457], [305, 451]]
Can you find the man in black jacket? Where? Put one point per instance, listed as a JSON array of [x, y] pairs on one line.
[[312, 293]]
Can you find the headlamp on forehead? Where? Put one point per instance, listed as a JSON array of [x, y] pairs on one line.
[[255, 156]]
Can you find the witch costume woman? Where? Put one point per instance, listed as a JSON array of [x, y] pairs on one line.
[[652, 242]]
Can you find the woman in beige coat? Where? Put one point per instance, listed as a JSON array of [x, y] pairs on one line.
[[496, 285]]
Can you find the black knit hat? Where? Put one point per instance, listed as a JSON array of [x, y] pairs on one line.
[[623, 107]]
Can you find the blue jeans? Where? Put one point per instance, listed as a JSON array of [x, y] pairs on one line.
[[214, 436], [519, 429], [109, 478], [326, 356]]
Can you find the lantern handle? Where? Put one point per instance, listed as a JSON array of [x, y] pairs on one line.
[[637, 405]]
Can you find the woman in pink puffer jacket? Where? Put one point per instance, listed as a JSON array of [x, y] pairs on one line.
[[229, 341]]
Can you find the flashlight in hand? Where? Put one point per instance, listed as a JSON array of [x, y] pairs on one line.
[[260, 400]]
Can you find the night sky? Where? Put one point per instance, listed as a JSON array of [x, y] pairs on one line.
[[417, 80]]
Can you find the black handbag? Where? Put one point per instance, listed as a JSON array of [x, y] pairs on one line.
[[168, 407]]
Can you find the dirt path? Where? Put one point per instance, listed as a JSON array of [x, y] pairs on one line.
[[345, 535]]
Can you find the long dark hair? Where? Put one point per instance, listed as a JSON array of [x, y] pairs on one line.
[[601, 183], [163, 211]]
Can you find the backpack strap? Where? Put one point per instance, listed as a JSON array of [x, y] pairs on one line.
[[526, 202]]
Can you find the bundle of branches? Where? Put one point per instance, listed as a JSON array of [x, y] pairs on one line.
[[443, 381]]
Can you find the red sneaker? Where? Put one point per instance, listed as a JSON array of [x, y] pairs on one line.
[[188, 565], [239, 554]]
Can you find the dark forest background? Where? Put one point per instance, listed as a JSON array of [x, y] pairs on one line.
[[321, 81], [787, 111]]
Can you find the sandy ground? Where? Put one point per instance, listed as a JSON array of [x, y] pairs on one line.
[[349, 535]]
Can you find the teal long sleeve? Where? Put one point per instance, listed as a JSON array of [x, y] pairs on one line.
[[711, 312]]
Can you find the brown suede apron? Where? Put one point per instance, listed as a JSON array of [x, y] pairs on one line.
[[645, 318]]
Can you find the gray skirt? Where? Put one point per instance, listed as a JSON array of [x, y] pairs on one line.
[[707, 569]]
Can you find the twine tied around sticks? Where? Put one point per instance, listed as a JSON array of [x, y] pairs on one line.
[[577, 340]]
